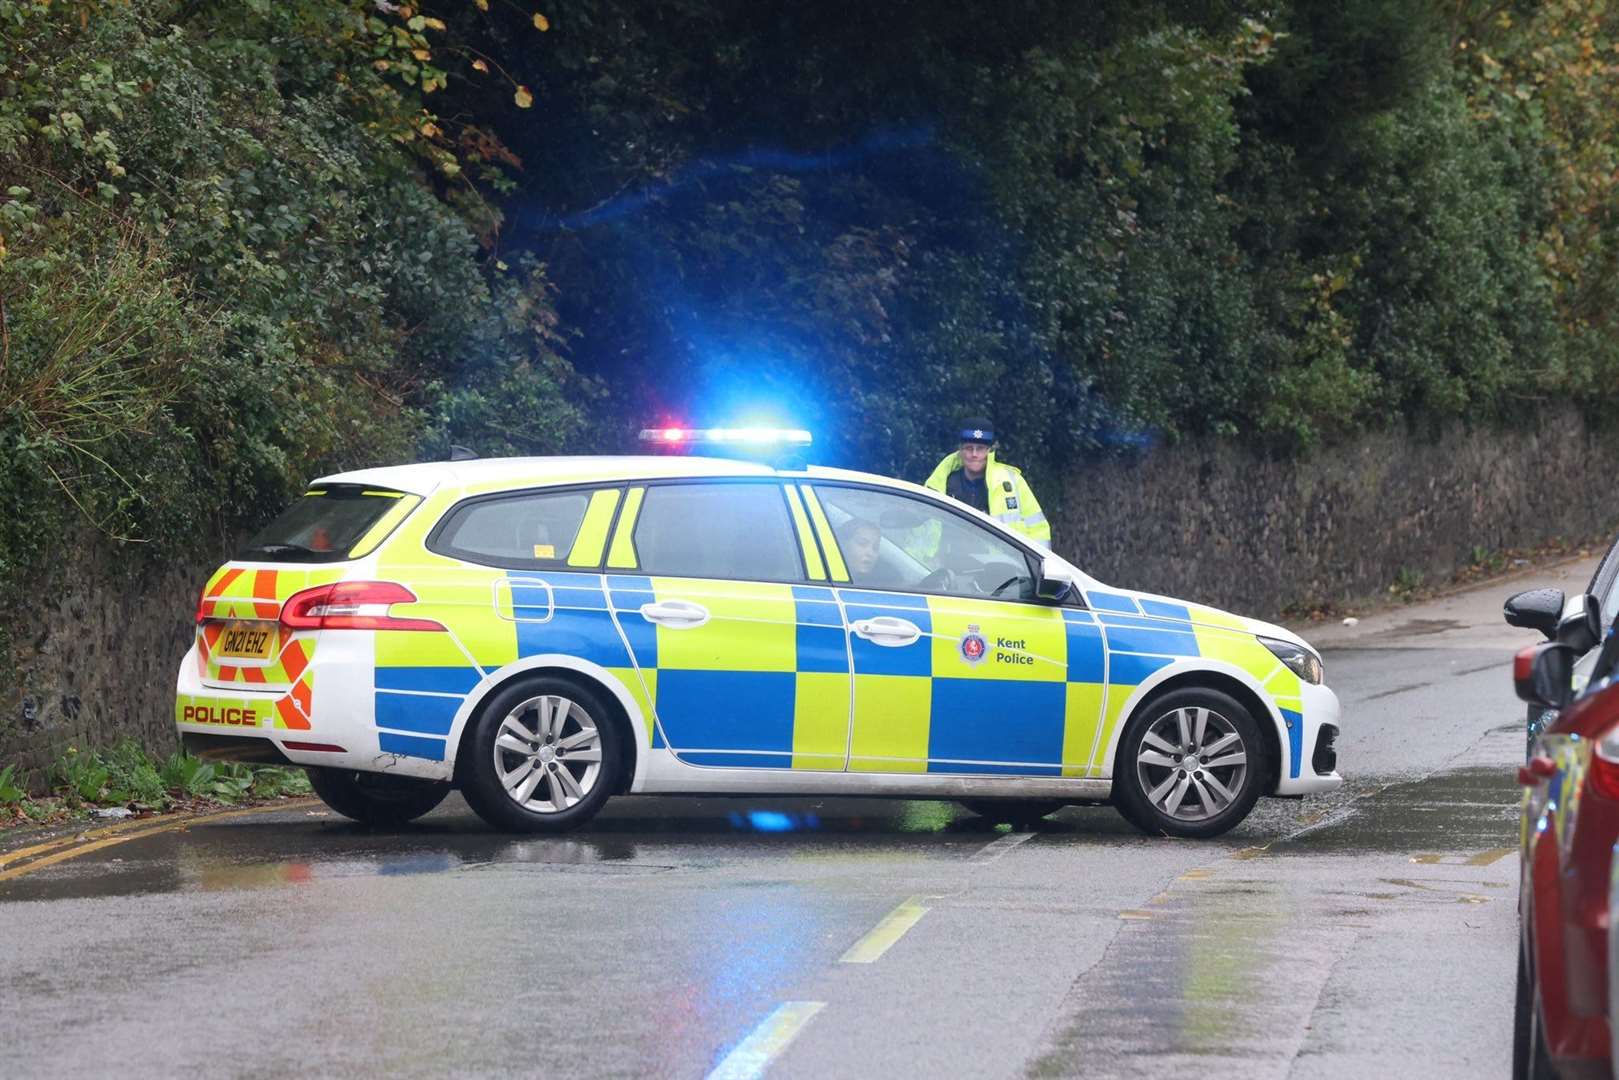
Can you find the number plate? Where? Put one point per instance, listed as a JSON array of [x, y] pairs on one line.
[[247, 641]]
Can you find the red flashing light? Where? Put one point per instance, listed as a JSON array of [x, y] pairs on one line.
[[673, 434], [352, 605]]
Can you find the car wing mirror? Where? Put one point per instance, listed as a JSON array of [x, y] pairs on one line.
[[1056, 582], [1581, 628], [1537, 609], [1544, 674]]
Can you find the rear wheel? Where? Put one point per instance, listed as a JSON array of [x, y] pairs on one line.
[[543, 757], [1190, 764], [376, 798], [1013, 811]]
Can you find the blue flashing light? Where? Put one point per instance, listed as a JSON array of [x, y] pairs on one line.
[[738, 436], [770, 821]]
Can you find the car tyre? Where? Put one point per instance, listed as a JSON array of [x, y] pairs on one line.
[[1531, 1060], [544, 754], [1523, 1028], [1019, 812], [378, 799], [1190, 764]]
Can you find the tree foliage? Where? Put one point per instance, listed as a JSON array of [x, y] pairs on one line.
[[241, 244], [239, 252]]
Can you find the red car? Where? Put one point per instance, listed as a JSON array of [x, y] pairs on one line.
[[1564, 1021]]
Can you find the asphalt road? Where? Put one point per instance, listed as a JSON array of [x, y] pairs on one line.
[[1367, 933]]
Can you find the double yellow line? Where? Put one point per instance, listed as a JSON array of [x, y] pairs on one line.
[[14, 864]]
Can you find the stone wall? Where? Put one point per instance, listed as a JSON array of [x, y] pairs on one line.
[[1212, 523], [96, 655], [98, 652]]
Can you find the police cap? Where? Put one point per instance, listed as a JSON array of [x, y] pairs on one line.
[[977, 429]]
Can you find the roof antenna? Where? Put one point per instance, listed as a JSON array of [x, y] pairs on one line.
[[462, 453]]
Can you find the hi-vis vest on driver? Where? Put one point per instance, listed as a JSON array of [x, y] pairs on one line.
[[1011, 502]]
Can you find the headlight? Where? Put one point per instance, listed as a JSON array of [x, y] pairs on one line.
[[1301, 661]]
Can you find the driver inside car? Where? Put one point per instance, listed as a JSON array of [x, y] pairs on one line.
[[862, 542]]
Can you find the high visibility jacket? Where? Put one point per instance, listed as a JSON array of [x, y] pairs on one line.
[[1010, 500]]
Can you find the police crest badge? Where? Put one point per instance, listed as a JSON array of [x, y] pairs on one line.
[[973, 646]]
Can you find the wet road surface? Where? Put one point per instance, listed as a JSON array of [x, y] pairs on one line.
[[1369, 932]]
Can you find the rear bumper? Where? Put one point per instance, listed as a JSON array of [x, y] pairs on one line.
[[1308, 732], [330, 721]]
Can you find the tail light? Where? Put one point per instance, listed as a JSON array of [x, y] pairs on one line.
[[352, 605], [204, 608], [1602, 775]]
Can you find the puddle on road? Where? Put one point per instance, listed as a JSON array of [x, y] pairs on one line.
[[1241, 967], [634, 836], [1472, 810]]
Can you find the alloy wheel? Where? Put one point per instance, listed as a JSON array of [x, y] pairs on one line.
[[1192, 764], [548, 754]]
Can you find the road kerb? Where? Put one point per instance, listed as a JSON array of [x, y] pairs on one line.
[[14, 864]]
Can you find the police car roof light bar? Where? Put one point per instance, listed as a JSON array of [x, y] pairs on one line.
[[751, 436]]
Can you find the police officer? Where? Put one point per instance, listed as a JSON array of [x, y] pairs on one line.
[[973, 476]]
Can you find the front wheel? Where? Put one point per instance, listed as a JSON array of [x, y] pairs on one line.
[[1530, 1058], [543, 757], [376, 798], [1190, 764]]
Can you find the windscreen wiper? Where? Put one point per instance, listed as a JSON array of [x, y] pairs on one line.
[[273, 550]]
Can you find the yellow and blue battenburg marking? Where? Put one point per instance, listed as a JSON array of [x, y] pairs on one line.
[[770, 678], [1014, 691], [763, 683], [422, 679], [1145, 635]]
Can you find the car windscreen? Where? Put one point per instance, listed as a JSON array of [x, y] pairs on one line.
[[323, 526]]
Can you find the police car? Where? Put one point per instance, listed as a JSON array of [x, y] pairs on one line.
[[544, 633]]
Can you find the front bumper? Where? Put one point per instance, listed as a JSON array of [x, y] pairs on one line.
[[1311, 736]]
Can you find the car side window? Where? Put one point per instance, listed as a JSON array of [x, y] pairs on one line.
[[738, 531], [893, 541], [526, 530]]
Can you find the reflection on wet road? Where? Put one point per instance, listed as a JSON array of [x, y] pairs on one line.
[[1240, 969], [1334, 937]]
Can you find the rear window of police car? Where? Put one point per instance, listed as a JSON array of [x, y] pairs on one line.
[[526, 529], [323, 526]]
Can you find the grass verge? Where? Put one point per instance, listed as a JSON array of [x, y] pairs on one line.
[[99, 783]]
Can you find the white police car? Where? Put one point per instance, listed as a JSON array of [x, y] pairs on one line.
[[544, 633]]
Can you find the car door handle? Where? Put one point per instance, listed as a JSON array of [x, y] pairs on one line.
[[675, 614], [887, 630]]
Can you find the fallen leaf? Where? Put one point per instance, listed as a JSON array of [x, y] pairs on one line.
[[479, 65], [541, 22], [523, 98]]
